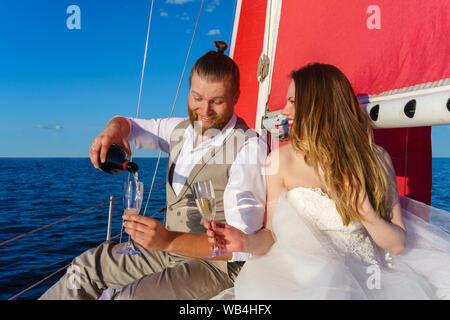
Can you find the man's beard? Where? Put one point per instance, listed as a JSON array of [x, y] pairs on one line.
[[219, 121]]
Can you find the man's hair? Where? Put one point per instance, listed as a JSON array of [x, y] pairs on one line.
[[216, 66]]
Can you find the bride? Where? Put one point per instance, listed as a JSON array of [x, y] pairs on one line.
[[334, 227]]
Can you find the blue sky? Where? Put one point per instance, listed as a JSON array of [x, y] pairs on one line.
[[59, 87]]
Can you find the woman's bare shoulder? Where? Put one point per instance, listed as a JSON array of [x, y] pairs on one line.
[[282, 159], [282, 154]]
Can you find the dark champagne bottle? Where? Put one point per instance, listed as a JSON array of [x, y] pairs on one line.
[[117, 161]]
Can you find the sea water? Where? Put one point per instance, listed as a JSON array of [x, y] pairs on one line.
[[36, 191]]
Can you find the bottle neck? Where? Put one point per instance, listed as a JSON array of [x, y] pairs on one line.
[[125, 165], [130, 166]]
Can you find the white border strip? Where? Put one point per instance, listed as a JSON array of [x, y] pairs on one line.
[[237, 16], [273, 15], [420, 89]]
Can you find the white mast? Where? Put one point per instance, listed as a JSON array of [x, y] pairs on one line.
[[267, 58], [237, 15]]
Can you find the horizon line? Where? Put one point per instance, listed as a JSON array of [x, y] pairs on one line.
[[137, 157], [67, 157]]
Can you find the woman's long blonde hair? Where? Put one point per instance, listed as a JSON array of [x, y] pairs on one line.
[[334, 134]]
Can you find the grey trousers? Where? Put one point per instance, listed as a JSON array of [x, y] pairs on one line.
[[151, 275]]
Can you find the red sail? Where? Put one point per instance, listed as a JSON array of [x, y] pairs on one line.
[[248, 47], [380, 46]]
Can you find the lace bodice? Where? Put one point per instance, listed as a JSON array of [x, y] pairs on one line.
[[321, 211]]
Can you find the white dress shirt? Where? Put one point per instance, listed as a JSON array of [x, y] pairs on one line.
[[244, 196]]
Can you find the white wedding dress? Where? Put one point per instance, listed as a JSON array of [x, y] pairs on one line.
[[316, 257]]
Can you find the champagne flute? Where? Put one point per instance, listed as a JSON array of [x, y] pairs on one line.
[[206, 204], [132, 201]]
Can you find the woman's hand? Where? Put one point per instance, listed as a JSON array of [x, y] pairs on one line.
[[226, 237], [389, 235], [367, 211]]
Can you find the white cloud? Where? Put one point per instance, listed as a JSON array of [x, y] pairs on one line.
[[211, 6], [213, 32], [163, 14], [184, 16], [178, 1], [49, 127]]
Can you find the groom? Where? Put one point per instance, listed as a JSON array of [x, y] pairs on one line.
[[212, 144]]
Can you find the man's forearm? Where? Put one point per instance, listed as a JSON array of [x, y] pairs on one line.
[[193, 245]]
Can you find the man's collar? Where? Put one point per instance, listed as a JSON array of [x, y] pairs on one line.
[[231, 123], [218, 138]]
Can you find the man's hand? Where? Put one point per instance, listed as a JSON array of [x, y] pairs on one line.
[[116, 131], [148, 232]]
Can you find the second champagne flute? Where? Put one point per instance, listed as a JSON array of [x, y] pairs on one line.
[[206, 204]]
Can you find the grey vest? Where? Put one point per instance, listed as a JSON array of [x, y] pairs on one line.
[[182, 214]]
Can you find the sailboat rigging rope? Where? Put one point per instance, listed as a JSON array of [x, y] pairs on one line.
[[47, 277], [175, 101], [40, 281], [64, 267], [145, 58], [137, 115], [143, 71], [140, 94], [66, 218], [55, 222]]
